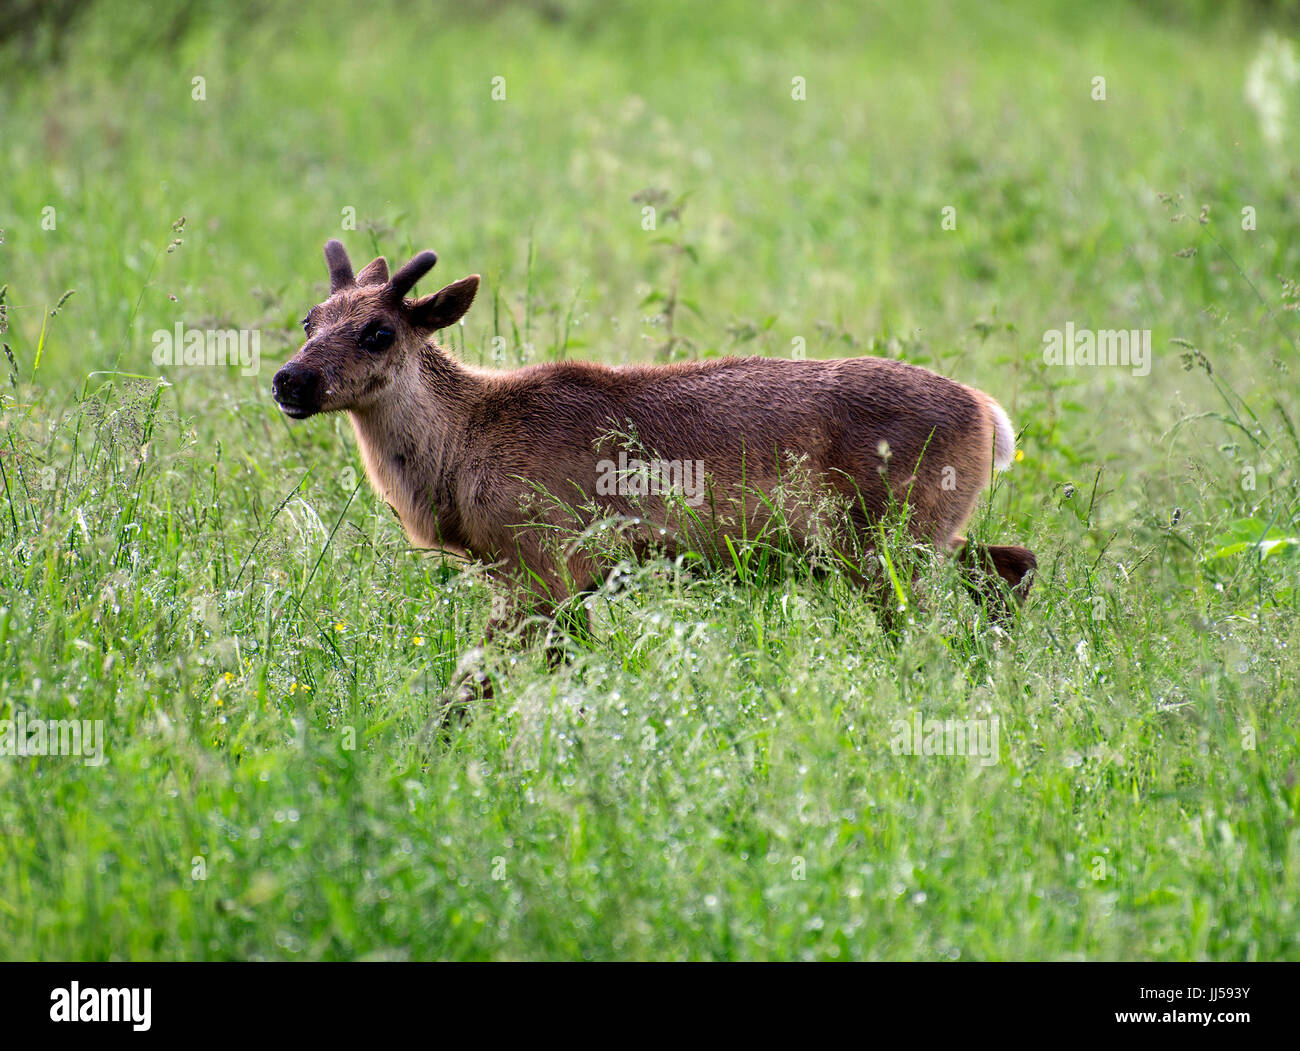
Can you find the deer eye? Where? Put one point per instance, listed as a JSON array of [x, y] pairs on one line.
[[306, 322], [377, 339]]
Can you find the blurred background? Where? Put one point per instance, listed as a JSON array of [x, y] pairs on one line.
[[800, 166]]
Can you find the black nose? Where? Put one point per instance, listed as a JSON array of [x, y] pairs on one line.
[[296, 389]]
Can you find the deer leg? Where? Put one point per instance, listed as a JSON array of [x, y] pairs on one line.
[[993, 574], [571, 622], [874, 582], [520, 614]]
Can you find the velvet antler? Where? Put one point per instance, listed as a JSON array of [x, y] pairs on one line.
[[405, 279], [336, 258]]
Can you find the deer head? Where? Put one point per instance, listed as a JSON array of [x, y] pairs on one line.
[[365, 335]]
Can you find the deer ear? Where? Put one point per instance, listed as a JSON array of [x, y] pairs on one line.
[[374, 272], [444, 307]]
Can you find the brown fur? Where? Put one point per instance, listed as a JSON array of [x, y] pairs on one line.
[[461, 452]]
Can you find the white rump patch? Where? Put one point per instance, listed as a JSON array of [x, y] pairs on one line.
[[1004, 437]]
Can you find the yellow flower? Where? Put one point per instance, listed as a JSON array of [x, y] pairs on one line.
[[340, 626], [418, 639], [1020, 455], [228, 677]]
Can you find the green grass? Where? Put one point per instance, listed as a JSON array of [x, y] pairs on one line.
[[712, 777]]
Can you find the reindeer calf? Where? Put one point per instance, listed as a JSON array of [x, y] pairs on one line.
[[460, 452]]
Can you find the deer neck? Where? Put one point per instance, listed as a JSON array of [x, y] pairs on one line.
[[408, 439]]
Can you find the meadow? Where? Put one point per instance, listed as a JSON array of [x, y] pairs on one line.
[[713, 776]]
